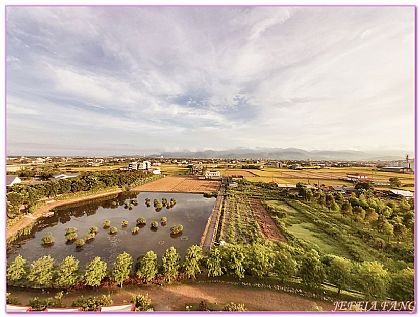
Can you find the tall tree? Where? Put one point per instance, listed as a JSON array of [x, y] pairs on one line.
[[235, 260], [193, 257], [311, 269], [340, 272], [402, 285], [95, 272], [170, 264], [122, 268], [261, 260], [67, 272], [373, 279], [16, 270], [148, 266], [41, 272], [285, 266], [213, 262]]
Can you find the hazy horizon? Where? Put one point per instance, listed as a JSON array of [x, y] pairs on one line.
[[108, 80]]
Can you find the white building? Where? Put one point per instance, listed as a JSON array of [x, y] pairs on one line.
[[12, 179], [156, 171], [357, 177], [133, 166], [212, 174]]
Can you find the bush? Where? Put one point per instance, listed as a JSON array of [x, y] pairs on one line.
[[113, 230], [71, 230], [141, 221], [90, 236], [163, 220], [47, 239], [234, 307], [71, 236], [92, 303], [154, 225], [107, 223], [79, 243], [124, 223], [11, 299], [142, 302], [93, 229], [135, 230], [177, 229], [38, 304]]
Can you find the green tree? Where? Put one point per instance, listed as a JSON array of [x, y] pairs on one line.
[[340, 272], [261, 260], [141, 302], [235, 260], [311, 269], [401, 287], [400, 231], [95, 272], [122, 268], [213, 262], [148, 266], [395, 182], [170, 264], [285, 266], [373, 279], [16, 270], [67, 272], [41, 271], [192, 260], [346, 208]]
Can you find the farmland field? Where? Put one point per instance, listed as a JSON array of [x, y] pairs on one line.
[[180, 184]]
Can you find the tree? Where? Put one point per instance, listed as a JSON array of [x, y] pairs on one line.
[[285, 265], [141, 302], [170, 264], [95, 272], [15, 200], [358, 214], [387, 229], [41, 272], [402, 285], [261, 260], [311, 270], [400, 231], [373, 279], [122, 268], [339, 272], [16, 270], [235, 260], [346, 208], [192, 260], [67, 272], [395, 182], [148, 266], [213, 262], [371, 215]]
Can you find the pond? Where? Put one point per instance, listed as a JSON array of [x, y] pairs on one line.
[[191, 211]]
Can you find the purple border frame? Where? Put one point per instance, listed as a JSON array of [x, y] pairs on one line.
[[239, 5]]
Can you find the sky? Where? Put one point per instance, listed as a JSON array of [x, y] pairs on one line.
[[142, 80]]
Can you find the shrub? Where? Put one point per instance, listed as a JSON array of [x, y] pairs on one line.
[[90, 236], [71, 230], [177, 229], [113, 230], [135, 230], [93, 229], [154, 225], [124, 223], [234, 307], [172, 202], [141, 221], [79, 243], [164, 201], [47, 239], [107, 223], [11, 299], [163, 220], [71, 236], [141, 302], [38, 304], [92, 303]]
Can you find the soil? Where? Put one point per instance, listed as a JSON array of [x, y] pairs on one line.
[[180, 184]]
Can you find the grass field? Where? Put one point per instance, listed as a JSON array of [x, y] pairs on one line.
[[172, 169]]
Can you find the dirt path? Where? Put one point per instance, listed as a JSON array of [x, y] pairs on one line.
[[210, 231], [176, 297], [267, 225], [43, 210]]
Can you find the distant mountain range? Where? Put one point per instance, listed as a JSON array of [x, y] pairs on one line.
[[288, 154]]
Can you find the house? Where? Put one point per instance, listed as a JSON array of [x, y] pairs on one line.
[[156, 171], [233, 185], [357, 177], [133, 166], [396, 169], [12, 180], [401, 193], [212, 174], [145, 165]]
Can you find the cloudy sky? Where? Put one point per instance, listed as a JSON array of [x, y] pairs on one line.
[[127, 80]]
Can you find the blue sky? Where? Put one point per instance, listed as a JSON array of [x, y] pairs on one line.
[[138, 80]]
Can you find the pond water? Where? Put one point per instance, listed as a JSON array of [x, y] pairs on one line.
[[191, 210]]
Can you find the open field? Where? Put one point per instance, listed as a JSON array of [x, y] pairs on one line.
[[238, 172], [180, 184], [172, 169], [176, 297]]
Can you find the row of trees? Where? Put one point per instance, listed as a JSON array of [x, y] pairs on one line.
[[29, 195], [259, 260]]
